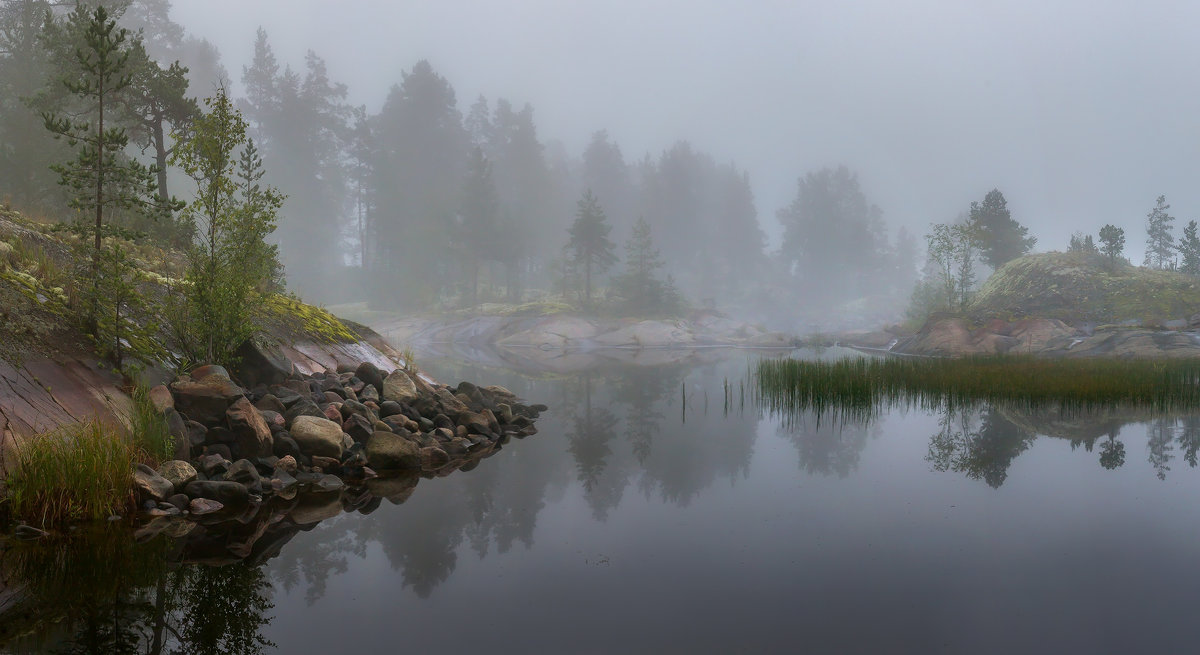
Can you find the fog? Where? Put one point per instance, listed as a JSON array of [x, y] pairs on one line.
[[700, 117], [1080, 113]]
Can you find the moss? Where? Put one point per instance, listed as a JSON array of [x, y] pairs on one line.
[[290, 316], [1077, 287]]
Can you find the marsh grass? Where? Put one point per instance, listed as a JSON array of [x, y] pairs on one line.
[[149, 428], [84, 472], [860, 388]]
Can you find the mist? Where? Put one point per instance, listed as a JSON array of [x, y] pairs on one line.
[[713, 115]]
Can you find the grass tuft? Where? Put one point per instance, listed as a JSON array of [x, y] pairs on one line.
[[149, 428], [83, 472]]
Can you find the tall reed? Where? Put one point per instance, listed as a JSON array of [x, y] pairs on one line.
[[83, 472], [149, 428], [864, 386]]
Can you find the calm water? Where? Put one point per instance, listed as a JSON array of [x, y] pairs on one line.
[[636, 523]]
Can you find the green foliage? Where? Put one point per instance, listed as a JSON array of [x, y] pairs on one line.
[[1160, 243], [1112, 239], [1082, 243], [149, 428], [79, 473], [589, 244], [124, 322], [639, 285], [950, 279], [1189, 250], [1001, 239], [231, 266]]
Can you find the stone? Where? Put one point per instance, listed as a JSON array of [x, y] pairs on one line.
[[504, 413], [285, 446], [219, 449], [370, 375], [302, 407], [274, 420], [287, 464], [205, 400], [246, 474], [390, 408], [332, 413], [201, 372], [197, 435], [161, 398], [150, 484], [433, 458], [180, 501], [269, 403], [352, 407], [313, 507], [213, 465], [286, 396], [282, 480], [226, 492], [253, 437], [368, 395], [331, 397], [202, 506], [475, 423], [359, 428], [388, 451], [326, 464], [317, 436], [400, 388], [178, 472], [177, 427]]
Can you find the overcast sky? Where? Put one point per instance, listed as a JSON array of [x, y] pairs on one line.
[[1080, 112]]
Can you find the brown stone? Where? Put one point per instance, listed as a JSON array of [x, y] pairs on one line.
[[252, 433]]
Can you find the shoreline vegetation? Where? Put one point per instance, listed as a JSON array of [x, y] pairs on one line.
[[861, 387]]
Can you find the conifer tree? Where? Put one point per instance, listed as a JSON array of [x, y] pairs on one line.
[[589, 243], [639, 284], [1189, 250], [1112, 239], [1160, 243], [1000, 238]]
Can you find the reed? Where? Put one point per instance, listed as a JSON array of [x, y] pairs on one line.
[[861, 387], [149, 428], [83, 472]]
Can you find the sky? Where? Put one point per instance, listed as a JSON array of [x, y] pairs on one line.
[[1081, 112]]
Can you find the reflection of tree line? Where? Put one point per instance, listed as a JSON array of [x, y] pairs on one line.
[[982, 441], [101, 592]]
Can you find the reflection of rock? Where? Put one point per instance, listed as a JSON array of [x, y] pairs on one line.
[[1076, 425]]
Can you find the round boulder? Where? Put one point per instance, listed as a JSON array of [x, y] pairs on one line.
[[317, 436]]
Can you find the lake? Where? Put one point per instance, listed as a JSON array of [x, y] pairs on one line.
[[659, 510]]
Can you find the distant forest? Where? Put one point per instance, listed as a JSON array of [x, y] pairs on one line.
[[437, 201]]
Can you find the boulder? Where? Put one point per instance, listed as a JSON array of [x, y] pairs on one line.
[[359, 428], [178, 472], [205, 400], [161, 398], [244, 473], [433, 458], [201, 372], [202, 506], [371, 375], [302, 407], [230, 494], [253, 437], [150, 484], [178, 429], [389, 451], [270, 403], [400, 388], [286, 446], [317, 436], [395, 489], [312, 507]]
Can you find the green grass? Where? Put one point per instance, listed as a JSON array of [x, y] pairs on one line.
[[149, 428], [862, 387], [84, 472]]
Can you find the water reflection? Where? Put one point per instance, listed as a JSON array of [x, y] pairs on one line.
[[102, 592], [617, 439]]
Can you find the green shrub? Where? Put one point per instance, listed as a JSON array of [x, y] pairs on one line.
[[83, 472]]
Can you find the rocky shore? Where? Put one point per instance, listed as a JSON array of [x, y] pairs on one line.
[[314, 445]]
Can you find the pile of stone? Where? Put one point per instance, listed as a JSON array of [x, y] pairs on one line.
[[317, 433]]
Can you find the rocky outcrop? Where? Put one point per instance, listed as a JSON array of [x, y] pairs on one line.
[[334, 434], [957, 336]]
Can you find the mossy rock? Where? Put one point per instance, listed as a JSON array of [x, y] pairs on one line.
[[1076, 288]]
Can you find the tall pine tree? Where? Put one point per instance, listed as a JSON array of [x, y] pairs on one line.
[[589, 244], [1160, 243]]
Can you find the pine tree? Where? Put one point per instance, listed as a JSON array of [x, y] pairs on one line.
[[589, 244], [1189, 250], [1001, 239], [639, 284], [479, 216], [1160, 243], [1112, 239], [101, 177]]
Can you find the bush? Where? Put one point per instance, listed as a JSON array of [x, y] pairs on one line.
[[83, 472]]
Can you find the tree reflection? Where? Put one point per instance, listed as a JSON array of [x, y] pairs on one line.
[[1112, 452], [100, 592], [980, 443]]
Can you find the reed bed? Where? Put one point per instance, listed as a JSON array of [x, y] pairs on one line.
[[84, 472], [860, 388]]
